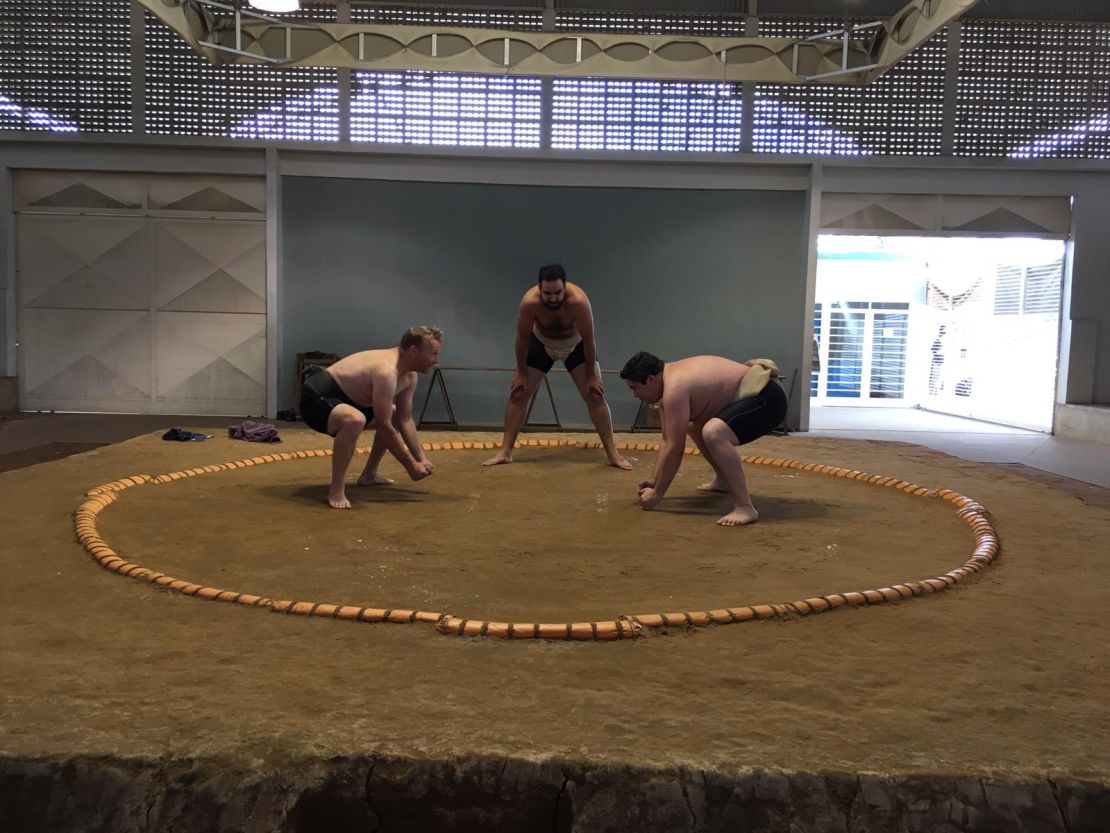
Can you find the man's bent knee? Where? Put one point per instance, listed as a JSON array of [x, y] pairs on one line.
[[347, 423], [717, 430]]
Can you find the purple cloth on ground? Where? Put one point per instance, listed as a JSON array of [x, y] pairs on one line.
[[254, 432]]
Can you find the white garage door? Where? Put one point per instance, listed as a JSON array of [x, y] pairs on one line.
[[141, 294]]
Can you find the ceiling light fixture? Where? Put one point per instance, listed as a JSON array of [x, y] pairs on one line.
[[276, 6]]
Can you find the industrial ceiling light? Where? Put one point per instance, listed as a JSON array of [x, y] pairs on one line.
[[277, 6]]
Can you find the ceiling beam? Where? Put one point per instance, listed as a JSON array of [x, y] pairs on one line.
[[225, 31]]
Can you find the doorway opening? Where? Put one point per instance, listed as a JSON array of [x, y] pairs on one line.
[[967, 326]]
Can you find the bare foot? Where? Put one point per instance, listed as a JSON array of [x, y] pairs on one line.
[[620, 462], [740, 517], [715, 485], [374, 479], [499, 458], [338, 501]]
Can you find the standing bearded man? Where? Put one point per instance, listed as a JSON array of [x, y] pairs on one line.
[[556, 323]]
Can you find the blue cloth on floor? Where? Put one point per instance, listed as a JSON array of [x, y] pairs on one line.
[[180, 435]]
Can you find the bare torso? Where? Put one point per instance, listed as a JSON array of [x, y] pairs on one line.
[[707, 383], [558, 323], [359, 373]]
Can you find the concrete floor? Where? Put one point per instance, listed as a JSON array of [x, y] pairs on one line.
[[19, 432], [980, 442]]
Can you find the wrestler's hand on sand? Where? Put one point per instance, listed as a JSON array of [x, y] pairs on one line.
[[420, 470], [649, 499], [428, 465], [646, 484]]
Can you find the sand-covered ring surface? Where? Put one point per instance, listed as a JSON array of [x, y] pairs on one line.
[[622, 625]]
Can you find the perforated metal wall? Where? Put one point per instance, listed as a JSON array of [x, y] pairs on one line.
[[1023, 90], [188, 96], [1033, 89], [604, 114], [440, 108], [65, 66], [613, 114], [900, 114]]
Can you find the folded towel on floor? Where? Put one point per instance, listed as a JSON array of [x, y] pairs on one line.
[[179, 435], [254, 432]]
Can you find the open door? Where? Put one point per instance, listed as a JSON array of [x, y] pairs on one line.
[[962, 325]]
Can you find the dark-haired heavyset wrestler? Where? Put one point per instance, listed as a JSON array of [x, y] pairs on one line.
[[705, 397]]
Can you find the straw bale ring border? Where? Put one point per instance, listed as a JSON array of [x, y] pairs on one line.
[[985, 550]]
